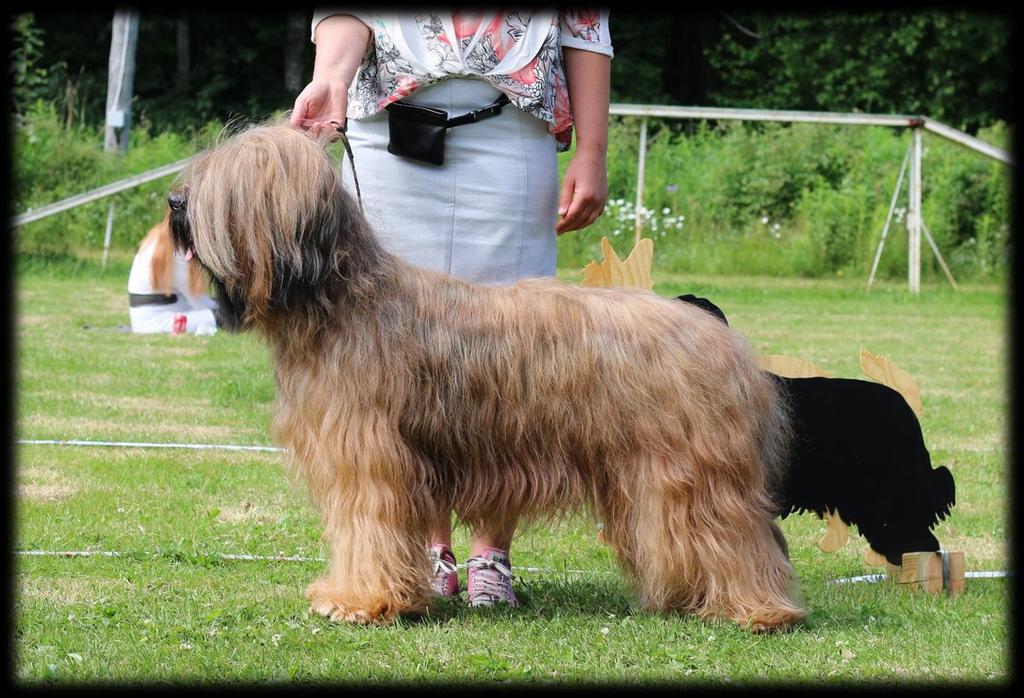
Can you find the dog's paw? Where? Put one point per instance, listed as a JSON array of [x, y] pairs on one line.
[[774, 621], [342, 607]]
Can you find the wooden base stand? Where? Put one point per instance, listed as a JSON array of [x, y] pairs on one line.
[[932, 572]]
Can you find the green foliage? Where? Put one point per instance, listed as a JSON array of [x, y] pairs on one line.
[[235, 60], [951, 66], [967, 204], [52, 162], [799, 200], [30, 77]]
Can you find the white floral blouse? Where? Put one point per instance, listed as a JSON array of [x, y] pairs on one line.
[[518, 52]]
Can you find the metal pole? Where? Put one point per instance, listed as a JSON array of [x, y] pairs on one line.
[[888, 218], [106, 236], [670, 112], [938, 255], [99, 193], [965, 140], [641, 166], [914, 217]]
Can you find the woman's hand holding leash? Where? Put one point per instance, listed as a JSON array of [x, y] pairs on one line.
[[321, 107]]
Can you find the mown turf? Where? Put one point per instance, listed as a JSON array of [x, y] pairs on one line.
[[170, 610]]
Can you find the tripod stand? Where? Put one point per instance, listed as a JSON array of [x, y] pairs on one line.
[[915, 221]]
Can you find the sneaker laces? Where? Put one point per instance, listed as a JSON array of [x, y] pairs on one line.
[[490, 577], [442, 565]]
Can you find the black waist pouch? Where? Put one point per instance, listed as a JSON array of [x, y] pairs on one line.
[[418, 133]]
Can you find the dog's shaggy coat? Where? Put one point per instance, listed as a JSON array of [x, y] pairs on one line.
[[404, 393]]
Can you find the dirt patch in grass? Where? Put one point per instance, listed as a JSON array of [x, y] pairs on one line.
[[69, 590], [46, 493], [98, 429], [43, 484], [248, 512], [165, 405]]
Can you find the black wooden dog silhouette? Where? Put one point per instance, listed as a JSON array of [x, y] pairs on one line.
[[858, 452]]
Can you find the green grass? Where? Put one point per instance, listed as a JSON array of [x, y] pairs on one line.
[[170, 610]]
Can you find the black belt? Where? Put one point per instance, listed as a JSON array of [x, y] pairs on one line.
[[438, 117], [137, 299], [480, 114]]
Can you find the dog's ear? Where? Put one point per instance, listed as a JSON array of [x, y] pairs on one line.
[[333, 250], [300, 279]]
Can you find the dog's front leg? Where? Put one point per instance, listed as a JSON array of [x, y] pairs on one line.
[[376, 517]]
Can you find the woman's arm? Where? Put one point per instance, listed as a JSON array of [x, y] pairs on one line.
[[341, 42], [585, 185]]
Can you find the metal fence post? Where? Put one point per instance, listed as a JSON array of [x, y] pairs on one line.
[[914, 216], [888, 217], [640, 167], [106, 235]]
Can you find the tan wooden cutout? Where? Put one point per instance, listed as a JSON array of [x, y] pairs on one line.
[[791, 367], [836, 534], [635, 271], [873, 558], [887, 373]]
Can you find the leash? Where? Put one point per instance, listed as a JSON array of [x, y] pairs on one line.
[[342, 128]]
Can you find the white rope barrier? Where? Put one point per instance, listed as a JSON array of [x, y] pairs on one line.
[[239, 557], [874, 578]]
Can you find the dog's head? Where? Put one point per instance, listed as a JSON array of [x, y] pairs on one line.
[[265, 213]]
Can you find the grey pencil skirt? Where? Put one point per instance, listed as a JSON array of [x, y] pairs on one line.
[[488, 213]]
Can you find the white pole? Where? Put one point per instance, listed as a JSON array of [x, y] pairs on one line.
[[888, 217], [106, 235], [640, 167], [914, 217]]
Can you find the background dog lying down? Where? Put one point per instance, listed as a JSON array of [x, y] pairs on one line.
[[858, 452]]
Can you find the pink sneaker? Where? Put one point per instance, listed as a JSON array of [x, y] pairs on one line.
[[445, 581], [490, 579]]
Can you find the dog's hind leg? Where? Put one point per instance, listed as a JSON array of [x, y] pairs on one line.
[[707, 546], [372, 497]]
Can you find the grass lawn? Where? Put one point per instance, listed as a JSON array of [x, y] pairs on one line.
[[170, 610]]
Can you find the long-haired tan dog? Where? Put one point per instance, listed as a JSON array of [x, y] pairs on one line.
[[404, 393]]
